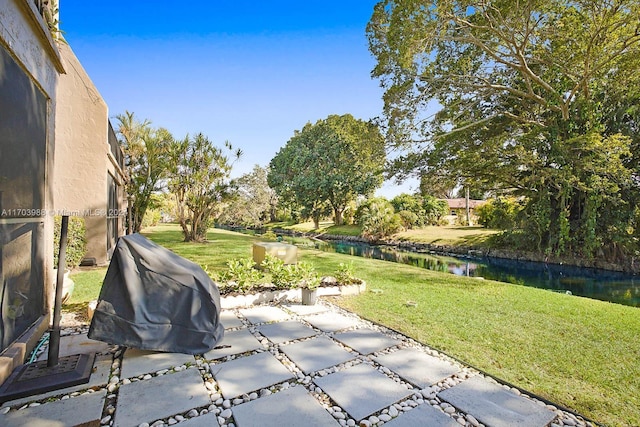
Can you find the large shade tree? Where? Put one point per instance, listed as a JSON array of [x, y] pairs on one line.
[[330, 162], [537, 97]]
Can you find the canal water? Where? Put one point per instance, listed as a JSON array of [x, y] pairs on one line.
[[587, 282]]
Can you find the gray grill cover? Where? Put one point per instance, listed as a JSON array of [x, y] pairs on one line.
[[153, 299]]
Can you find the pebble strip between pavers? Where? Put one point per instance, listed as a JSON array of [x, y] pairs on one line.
[[205, 404]]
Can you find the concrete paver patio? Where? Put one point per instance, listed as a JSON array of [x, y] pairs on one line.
[[263, 314], [331, 322], [230, 320], [285, 366]]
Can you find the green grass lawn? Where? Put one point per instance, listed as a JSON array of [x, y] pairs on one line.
[[325, 227], [580, 353], [452, 235], [87, 285]]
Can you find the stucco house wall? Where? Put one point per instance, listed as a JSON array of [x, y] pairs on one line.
[[84, 158], [25, 39]]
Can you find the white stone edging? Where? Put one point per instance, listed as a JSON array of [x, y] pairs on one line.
[[290, 295]]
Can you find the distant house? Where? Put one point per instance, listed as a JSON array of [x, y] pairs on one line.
[[458, 208], [57, 153]]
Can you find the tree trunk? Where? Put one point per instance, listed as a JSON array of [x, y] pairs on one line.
[[185, 228], [193, 232], [337, 216], [137, 220], [466, 205]]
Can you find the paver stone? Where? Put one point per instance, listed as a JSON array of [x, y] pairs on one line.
[[247, 374], [230, 320], [422, 415], [207, 420], [291, 407], [417, 367], [306, 310], [160, 397], [315, 354], [139, 362], [83, 409], [289, 330], [366, 341], [234, 342], [263, 314], [494, 406], [362, 390], [331, 322]]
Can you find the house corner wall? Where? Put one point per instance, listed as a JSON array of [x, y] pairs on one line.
[[81, 156]]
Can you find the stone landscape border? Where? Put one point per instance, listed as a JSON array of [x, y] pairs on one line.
[[290, 295], [266, 297]]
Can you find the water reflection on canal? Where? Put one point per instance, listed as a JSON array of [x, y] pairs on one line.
[[598, 284]]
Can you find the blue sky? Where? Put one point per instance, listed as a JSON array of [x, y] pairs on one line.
[[250, 72]]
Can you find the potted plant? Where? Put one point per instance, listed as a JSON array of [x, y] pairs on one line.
[[76, 249], [309, 282]]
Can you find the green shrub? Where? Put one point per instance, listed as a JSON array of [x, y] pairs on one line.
[[378, 218], [461, 219], [270, 235], [151, 218], [345, 274], [501, 213], [410, 210], [409, 219], [307, 275], [434, 210], [76, 241], [348, 215], [290, 276], [241, 276], [280, 274]]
